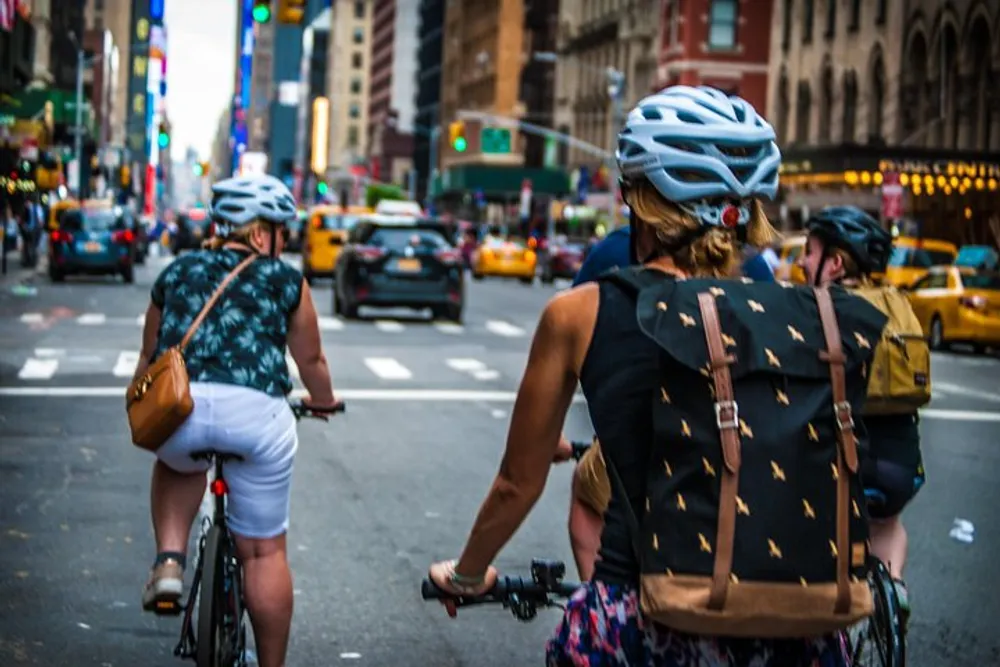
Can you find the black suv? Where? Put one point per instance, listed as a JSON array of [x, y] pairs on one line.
[[399, 262], [193, 227]]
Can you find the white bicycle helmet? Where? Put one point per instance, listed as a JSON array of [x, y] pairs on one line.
[[237, 201], [699, 144]]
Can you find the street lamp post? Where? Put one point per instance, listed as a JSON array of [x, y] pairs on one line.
[[432, 161]]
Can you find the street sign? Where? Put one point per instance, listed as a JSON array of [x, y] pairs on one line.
[[495, 140], [892, 196]]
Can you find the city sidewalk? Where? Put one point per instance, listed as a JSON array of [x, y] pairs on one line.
[[17, 274]]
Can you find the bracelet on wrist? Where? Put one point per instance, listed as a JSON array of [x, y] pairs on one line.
[[461, 582]]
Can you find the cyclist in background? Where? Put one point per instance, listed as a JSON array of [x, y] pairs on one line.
[[239, 383], [845, 246]]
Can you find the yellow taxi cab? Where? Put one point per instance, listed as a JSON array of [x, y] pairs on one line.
[[958, 305], [56, 209], [506, 258], [788, 256], [912, 257], [324, 236]]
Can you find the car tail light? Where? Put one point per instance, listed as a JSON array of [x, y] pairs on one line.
[[449, 256], [125, 236], [60, 236], [367, 253], [974, 302]]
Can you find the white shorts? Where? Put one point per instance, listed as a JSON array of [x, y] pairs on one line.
[[258, 427]]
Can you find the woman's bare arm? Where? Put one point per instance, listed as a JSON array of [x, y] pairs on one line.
[[543, 399], [307, 350], [150, 332]]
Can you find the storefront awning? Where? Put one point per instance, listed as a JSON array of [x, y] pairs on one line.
[[498, 180]]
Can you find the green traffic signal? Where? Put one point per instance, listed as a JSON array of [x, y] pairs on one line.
[[197, 169], [460, 144], [322, 188], [262, 11], [163, 140]]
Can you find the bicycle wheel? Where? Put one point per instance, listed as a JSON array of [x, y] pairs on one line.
[[880, 640], [210, 600]]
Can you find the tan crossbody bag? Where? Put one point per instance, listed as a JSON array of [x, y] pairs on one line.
[[160, 401]]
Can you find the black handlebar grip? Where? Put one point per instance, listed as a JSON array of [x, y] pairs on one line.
[[430, 591]]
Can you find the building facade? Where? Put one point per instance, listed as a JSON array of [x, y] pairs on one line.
[[860, 90], [427, 97], [348, 84], [393, 81], [262, 88], [595, 35], [115, 16], [719, 43]]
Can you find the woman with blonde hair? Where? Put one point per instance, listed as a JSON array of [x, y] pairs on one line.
[[239, 383], [694, 162]]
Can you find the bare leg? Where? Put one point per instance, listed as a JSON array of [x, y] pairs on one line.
[[174, 501], [585, 527], [269, 598], [889, 543]]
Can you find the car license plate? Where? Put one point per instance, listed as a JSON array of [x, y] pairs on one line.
[[408, 265], [94, 246]]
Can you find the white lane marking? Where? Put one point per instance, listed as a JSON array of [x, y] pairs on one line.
[[32, 318], [350, 656], [390, 326], [125, 366], [330, 324], [949, 388], [962, 530], [92, 319], [473, 367], [465, 365], [38, 369], [449, 328], [415, 395], [141, 320], [388, 368], [48, 352], [293, 368], [501, 328]]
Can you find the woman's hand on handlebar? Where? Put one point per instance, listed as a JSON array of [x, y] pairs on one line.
[[564, 450], [320, 410], [441, 574]]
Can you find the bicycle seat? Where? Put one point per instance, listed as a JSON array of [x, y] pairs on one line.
[[210, 454]]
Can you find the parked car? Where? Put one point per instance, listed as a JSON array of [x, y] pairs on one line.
[[958, 305], [92, 241], [394, 261]]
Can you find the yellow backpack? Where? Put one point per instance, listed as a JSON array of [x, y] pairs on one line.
[[900, 376]]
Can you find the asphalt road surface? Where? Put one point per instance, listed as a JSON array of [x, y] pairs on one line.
[[380, 492]]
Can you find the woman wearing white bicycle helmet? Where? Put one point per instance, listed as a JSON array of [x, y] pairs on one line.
[[239, 383], [695, 163]]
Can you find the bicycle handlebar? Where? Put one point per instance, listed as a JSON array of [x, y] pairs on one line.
[[300, 409], [522, 596]]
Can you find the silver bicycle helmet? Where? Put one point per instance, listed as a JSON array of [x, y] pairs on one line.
[[237, 201], [696, 145]]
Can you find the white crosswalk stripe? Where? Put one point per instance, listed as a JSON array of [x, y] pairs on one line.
[[330, 324], [32, 318], [389, 326], [92, 319], [449, 328], [125, 366], [501, 328], [473, 367], [388, 368], [38, 369]]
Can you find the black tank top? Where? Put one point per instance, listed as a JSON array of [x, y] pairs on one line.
[[619, 378]]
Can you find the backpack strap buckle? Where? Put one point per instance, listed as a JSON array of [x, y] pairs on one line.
[[845, 420], [727, 414]]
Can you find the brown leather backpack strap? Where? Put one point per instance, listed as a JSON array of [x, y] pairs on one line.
[[727, 419], [847, 450], [214, 298]]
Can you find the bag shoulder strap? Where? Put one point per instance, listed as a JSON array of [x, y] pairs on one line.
[[728, 422], [213, 299], [847, 450]]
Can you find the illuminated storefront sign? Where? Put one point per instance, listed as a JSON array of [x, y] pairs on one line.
[[241, 97], [942, 168]]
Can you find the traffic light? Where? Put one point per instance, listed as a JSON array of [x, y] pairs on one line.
[[456, 135], [261, 11], [163, 138], [197, 169], [322, 188], [291, 12]]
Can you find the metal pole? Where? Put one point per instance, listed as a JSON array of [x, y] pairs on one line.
[[432, 163], [616, 89], [303, 117], [78, 129]]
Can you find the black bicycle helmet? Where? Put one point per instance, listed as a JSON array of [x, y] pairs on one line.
[[857, 233]]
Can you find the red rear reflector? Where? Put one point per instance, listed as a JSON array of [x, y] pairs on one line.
[[219, 487]]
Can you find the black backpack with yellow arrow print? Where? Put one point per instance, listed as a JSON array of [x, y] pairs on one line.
[[754, 522]]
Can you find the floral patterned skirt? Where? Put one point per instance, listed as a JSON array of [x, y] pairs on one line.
[[604, 627]]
